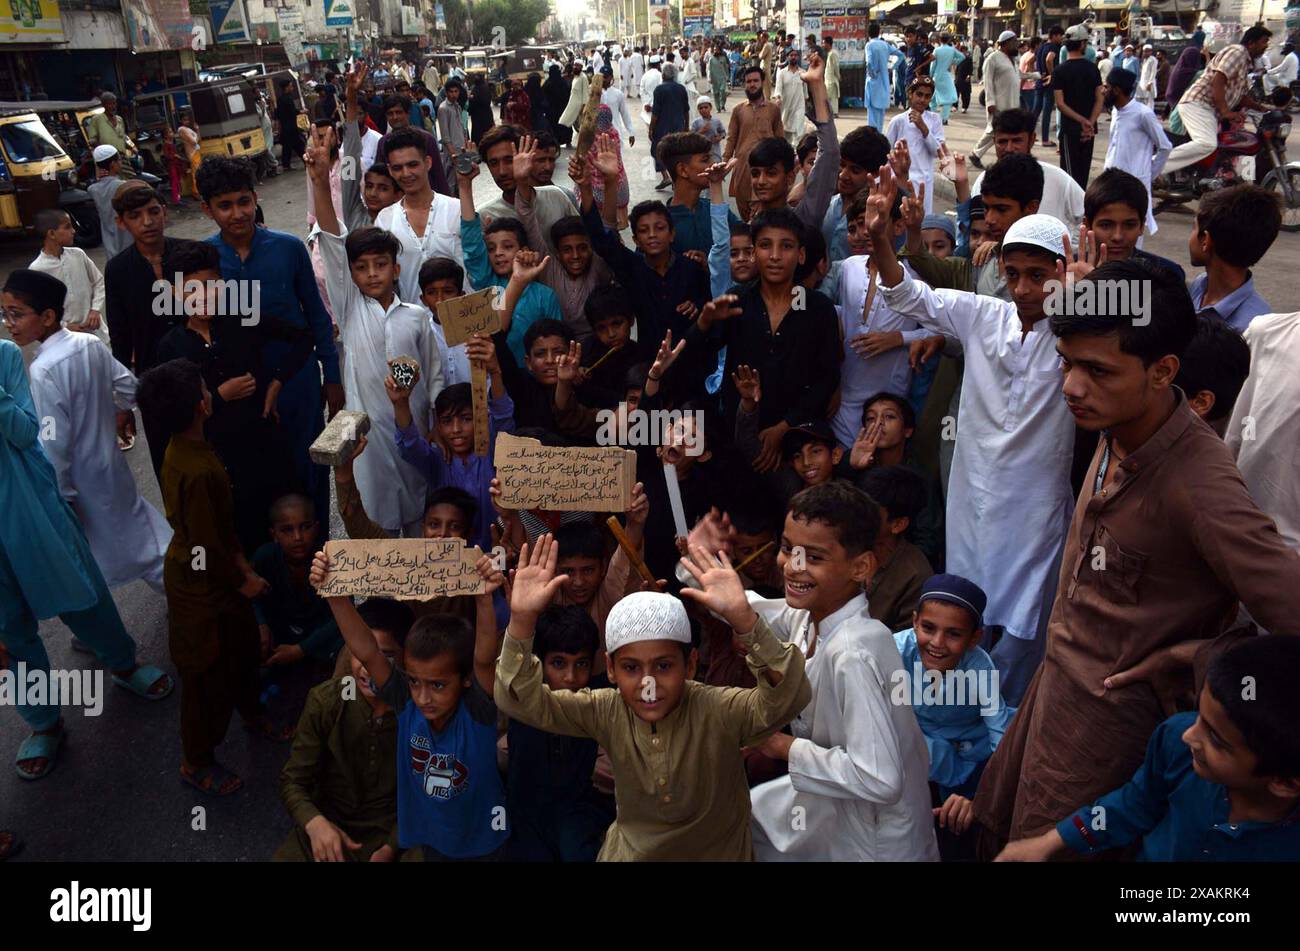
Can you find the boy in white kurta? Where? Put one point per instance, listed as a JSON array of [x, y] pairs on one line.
[[83, 310], [1009, 496], [857, 788], [376, 326], [922, 129], [1138, 143], [79, 390]]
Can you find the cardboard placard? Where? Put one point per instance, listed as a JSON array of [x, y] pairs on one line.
[[478, 386], [408, 569], [564, 479], [462, 317]]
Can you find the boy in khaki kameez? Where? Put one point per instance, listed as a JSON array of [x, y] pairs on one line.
[[212, 631], [675, 744]]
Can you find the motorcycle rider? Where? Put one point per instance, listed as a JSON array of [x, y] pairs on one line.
[[1216, 96]]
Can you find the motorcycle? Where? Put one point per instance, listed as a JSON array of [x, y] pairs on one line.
[[1229, 164]]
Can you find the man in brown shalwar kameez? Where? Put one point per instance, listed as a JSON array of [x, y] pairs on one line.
[[1164, 542], [751, 121]]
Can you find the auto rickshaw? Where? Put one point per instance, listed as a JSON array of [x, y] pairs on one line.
[[36, 173], [226, 114]]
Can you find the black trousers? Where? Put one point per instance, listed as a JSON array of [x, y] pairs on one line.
[[963, 93], [1076, 155], [291, 144]]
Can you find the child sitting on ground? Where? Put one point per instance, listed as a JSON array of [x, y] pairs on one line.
[[212, 631], [961, 731], [596, 582], [674, 743], [340, 783], [450, 799], [294, 623], [1221, 784], [857, 760], [901, 568], [557, 814]]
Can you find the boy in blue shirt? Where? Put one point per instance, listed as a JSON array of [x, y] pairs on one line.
[[489, 258], [961, 732], [1218, 785], [450, 800]]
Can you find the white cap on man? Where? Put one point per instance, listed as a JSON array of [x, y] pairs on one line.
[[1007, 35], [103, 153]]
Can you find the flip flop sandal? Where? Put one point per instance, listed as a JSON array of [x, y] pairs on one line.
[[40, 746], [13, 848], [210, 779], [277, 733], [144, 677]]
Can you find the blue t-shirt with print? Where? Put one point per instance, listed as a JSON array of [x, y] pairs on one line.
[[449, 791]]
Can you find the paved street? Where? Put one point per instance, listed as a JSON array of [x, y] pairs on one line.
[[115, 794]]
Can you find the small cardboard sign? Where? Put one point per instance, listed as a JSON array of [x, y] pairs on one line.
[[564, 478], [408, 569], [462, 317]]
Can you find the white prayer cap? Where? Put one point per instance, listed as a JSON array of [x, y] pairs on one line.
[[703, 101], [103, 153], [1007, 35], [1041, 231], [646, 616]]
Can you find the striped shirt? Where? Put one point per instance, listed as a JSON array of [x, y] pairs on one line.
[[1234, 62]]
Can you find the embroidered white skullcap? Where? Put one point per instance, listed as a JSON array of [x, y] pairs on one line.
[[103, 153], [646, 616], [1042, 231]]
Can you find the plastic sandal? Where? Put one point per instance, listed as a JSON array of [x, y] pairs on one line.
[[210, 779], [39, 746], [144, 677]]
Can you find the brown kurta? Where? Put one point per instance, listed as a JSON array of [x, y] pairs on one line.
[[895, 588], [1182, 541], [749, 123]]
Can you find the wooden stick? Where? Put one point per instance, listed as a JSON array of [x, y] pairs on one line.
[[608, 354], [478, 402], [630, 550], [741, 567]]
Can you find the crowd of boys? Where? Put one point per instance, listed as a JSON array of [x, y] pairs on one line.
[[922, 564]]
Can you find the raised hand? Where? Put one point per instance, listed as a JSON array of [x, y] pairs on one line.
[[479, 349], [913, 208], [317, 160], [816, 71], [320, 567], [900, 160], [535, 583], [714, 533], [722, 307], [666, 356], [493, 577], [569, 367], [748, 385], [639, 510], [880, 204], [399, 395], [607, 160], [523, 161], [1090, 256], [863, 453], [721, 590], [356, 77], [529, 265], [578, 170]]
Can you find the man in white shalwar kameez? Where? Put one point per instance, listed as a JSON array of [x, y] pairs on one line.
[[649, 82], [79, 389], [790, 93], [857, 788], [578, 92], [1009, 495], [373, 334], [1138, 144], [635, 70]]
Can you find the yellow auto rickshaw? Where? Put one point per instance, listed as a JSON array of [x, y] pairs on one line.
[[38, 170]]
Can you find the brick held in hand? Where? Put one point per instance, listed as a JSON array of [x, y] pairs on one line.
[[336, 444]]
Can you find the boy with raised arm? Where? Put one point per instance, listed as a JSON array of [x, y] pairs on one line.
[[361, 276], [674, 744], [1009, 495]]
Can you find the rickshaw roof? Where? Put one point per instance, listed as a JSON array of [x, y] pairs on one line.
[[50, 105]]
